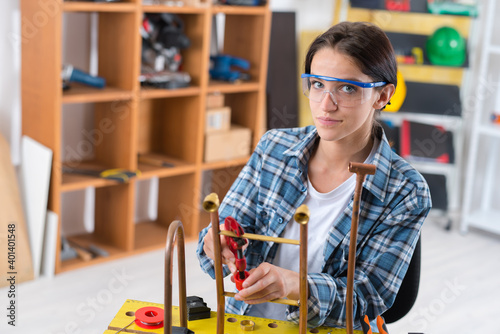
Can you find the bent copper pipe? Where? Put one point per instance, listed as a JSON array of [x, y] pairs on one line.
[[211, 205], [361, 171], [175, 229]]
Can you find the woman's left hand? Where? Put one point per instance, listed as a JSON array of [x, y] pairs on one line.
[[268, 282]]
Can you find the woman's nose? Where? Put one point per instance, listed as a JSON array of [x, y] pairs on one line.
[[328, 101]]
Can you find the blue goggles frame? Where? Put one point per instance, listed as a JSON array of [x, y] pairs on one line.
[[356, 83]]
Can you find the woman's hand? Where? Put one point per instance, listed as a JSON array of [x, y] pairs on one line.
[[268, 282], [227, 256]]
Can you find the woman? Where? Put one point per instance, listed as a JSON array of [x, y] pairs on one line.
[[350, 75]]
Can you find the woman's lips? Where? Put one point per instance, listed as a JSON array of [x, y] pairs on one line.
[[328, 121]]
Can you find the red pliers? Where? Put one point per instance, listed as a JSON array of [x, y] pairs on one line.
[[236, 244]]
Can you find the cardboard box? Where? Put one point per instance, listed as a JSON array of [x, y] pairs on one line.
[[215, 100], [218, 119], [226, 145]]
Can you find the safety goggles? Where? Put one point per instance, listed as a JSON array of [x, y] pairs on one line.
[[345, 93]]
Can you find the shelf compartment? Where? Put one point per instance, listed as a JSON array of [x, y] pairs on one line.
[[112, 38], [104, 139], [108, 231], [243, 106], [192, 56], [251, 46], [170, 127], [404, 43], [436, 99], [176, 201], [87, 6]]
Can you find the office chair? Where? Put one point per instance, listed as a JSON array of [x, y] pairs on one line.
[[408, 291]]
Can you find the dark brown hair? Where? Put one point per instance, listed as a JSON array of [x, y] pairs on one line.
[[365, 43]]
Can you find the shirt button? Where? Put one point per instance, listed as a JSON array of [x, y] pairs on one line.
[[280, 220], [304, 188]]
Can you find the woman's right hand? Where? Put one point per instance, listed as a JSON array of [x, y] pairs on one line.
[[227, 256]]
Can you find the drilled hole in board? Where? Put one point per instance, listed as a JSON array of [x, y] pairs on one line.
[[314, 330], [272, 325], [130, 313], [231, 320]]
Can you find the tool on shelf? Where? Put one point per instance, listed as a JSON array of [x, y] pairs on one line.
[[71, 74], [117, 174], [236, 245], [223, 68]]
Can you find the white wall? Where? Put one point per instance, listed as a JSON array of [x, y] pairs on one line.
[[10, 111]]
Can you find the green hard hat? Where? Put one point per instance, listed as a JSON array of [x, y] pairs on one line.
[[446, 47]]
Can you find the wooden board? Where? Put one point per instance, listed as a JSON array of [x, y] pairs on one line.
[[11, 213], [35, 179]]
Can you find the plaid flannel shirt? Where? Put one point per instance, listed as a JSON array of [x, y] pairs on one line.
[[395, 201]]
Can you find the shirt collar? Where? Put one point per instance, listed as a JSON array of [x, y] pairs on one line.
[[376, 184], [304, 148]]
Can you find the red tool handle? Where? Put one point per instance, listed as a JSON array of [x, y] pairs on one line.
[[236, 246]]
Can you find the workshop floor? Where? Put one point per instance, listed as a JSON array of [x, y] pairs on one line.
[[459, 291]]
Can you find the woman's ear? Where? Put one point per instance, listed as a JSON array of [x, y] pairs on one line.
[[384, 96]]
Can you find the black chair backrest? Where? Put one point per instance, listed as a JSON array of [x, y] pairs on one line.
[[408, 291]]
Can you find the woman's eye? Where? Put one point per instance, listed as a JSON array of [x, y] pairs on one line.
[[317, 85], [348, 89]]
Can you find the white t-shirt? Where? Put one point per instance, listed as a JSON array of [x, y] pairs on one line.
[[324, 209]]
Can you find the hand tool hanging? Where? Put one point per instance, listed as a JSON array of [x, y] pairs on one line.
[[236, 245]]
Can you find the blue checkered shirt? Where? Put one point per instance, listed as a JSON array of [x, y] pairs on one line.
[[395, 201]]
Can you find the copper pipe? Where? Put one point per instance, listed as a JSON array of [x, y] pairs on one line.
[[301, 216], [175, 230], [361, 171], [260, 237], [283, 301], [211, 205]]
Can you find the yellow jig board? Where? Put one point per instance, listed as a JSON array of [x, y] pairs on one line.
[[126, 315]]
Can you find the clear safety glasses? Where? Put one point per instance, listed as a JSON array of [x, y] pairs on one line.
[[345, 93]]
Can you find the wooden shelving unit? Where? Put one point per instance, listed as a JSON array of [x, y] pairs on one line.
[[132, 120]]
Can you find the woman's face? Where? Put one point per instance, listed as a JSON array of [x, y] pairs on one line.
[[340, 122]]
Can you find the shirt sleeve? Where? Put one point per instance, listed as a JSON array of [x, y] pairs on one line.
[[381, 264], [240, 202]]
